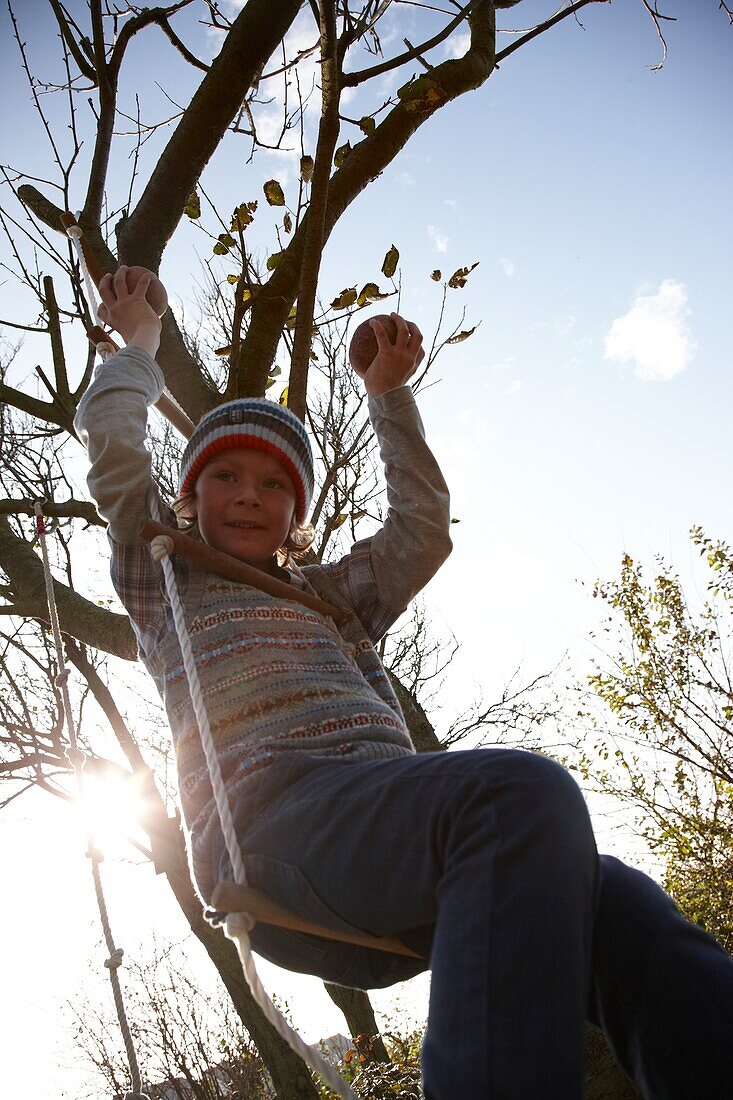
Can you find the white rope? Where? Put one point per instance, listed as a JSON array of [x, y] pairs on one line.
[[238, 925], [76, 758], [74, 232]]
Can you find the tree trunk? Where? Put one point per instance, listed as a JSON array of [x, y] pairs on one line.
[[359, 1015], [289, 1074]]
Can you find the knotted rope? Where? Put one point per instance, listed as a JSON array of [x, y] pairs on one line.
[[75, 755], [75, 235], [237, 925]]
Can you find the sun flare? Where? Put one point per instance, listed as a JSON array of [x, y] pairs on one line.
[[111, 809]]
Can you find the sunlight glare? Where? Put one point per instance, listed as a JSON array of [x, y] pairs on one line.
[[111, 809]]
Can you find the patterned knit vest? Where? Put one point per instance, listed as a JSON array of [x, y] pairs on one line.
[[276, 677]]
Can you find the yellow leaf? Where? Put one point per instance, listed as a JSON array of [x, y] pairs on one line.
[[389, 264], [192, 209], [283, 398], [224, 242], [422, 94], [436, 275], [461, 336], [243, 216], [341, 154], [274, 260], [345, 298], [370, 292], [274, 193], [459, 277]]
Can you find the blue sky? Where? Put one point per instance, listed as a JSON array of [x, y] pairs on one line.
[[590, 412]]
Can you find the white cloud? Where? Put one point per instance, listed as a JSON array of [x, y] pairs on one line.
[[566, 325], [404, 179], [508, 267], [452, 203], [654, 334], [505, 364], [515, 387], [440, 240], [457, 44]]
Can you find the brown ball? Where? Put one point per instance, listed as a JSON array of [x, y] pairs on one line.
[[364, 347], [155, 294]]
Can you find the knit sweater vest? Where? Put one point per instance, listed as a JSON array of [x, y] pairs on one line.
[[276, 677]]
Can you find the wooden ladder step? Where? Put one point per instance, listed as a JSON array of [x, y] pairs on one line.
[[230, 898]]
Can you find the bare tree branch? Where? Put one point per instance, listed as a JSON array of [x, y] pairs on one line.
[[254, 35], [558, 17], [328, 133], [72, 45], [352, 80], [68, 509], [371, 156], [79, 617]]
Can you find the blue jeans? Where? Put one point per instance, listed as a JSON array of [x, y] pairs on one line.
[[484, 862]]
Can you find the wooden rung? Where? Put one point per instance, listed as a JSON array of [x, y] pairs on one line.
[[231, 898]]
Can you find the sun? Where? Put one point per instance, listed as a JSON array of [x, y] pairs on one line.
[[111, 810]]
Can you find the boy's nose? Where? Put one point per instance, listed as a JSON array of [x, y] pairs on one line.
[[248, 495]]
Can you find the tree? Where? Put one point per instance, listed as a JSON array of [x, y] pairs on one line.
[[192, 1049], [130, 213], [668, 751], [187, 1039]]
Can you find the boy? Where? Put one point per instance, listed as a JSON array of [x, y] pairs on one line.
[[483, 862]]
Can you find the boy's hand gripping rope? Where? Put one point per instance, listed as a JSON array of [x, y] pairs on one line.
[[105, 345], [76, 758], [238, 925]]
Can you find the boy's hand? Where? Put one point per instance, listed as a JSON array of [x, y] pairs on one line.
[[129, 312], [394, 364]]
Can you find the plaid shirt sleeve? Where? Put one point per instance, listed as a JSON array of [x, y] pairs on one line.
[[382, 574], [111, 421], [354, 577], [138, 581]]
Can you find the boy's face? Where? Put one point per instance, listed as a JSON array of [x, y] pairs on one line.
[[245, 502]]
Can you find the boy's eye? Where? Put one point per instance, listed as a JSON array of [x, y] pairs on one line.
[[273, 483], [225, 475]]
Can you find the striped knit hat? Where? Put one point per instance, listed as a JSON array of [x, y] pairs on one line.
[[260, 424]]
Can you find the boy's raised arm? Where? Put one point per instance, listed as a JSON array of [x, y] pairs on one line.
[[111, 420], [414, 540]]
